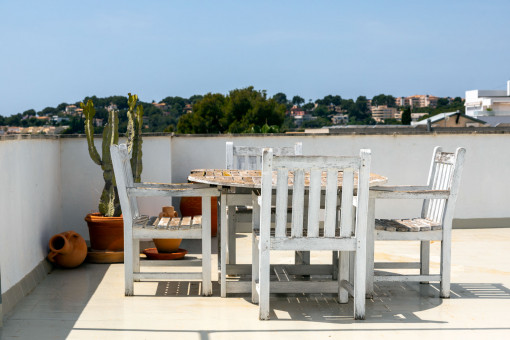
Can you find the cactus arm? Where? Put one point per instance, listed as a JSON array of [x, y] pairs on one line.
[[90, 112], [134, 136], [108, 205], [136, 158]]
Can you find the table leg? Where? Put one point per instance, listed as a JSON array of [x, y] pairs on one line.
[[370, 247], [223, 241]]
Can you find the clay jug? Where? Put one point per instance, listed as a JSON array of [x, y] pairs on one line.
[[167, 245], [67, 249]]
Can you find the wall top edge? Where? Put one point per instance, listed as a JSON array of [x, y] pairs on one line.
[[332, 132]]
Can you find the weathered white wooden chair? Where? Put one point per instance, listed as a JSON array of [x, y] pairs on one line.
[[344, 232], [138, 226], [239, 203], [434, 224]]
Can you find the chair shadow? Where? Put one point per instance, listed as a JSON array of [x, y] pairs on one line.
[[395, 302]]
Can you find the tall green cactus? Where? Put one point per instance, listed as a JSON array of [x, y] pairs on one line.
[[109, 204]]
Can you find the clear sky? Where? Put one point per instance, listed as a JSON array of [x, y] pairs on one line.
[[61, 51]]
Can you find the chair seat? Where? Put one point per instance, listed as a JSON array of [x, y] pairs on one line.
[[407, 225], [168, 223]]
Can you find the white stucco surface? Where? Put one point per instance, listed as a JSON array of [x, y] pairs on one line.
[[30, 204], [48, 186]]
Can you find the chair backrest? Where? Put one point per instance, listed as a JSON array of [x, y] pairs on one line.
[[444, 174], [250, 157], [315, 174], [124, 178]]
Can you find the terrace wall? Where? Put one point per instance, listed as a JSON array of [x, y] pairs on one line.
[[48, 185]]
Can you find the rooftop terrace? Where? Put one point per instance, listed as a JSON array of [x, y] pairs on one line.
[[49, 184], [88, 303]]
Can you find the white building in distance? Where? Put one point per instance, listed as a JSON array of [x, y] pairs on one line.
[[491, 106]]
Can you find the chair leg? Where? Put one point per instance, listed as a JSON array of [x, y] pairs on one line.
[[424, 258], [264, 270], [360, 283], [445, 268], [254, 269], [370, 248], [136, 257], [255, 254], [206, 266], [128, 267], [335, 265], [343, 274]]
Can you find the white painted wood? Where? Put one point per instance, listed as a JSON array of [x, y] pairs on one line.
[[168, 276], [330, 213], [438, 206], [321, 162], [291, 269], [346, 219], [361, 236], [343, 275], [281, 202], [407, 278], [314, 203], [315, 243], [298, 200], [138, 227], [223, 243], [265, 226], [305, 233]]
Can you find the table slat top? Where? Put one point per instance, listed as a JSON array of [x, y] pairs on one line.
[[252, 178]]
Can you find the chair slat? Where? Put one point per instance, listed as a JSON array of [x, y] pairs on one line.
[[282, 194], [330, 214], [298, 198], [164, 222], [185, 223], [314, 200], [346, 216], [175, 223]]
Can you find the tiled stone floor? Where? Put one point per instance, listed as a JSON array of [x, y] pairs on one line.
[[88, 303]]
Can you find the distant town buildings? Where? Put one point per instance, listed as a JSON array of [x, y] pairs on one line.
[[417, 101], [491, 106], [382, 112]]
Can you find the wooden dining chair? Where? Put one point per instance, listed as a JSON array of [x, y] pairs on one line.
[[434, 224], [314, 177], [239, 203], [137, 226]]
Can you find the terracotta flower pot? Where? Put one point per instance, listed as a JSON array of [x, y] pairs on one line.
[[67, 249], [191, 206], [106, 233], [167, 245]]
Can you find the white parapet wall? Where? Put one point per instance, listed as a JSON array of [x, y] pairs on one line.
[[403, 158], [48, 185], [30, 202]]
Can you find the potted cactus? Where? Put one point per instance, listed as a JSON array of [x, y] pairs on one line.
[[106, 226]]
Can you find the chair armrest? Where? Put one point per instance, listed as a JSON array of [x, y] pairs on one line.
[[171, 190], [170, 185], [407, 192]]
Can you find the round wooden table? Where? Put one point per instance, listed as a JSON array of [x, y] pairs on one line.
[[252, 178]]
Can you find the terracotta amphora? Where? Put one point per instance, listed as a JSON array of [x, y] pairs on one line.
[[67, 249], [167, 245]]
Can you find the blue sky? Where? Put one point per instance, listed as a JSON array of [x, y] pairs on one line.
[[61, 51]]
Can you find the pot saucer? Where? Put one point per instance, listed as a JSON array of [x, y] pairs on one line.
[[152, 254]]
